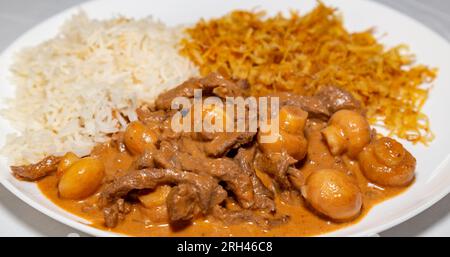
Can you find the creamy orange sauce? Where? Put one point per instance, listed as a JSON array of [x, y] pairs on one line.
[[150, 222]]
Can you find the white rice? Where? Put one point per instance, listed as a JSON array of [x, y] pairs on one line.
[[68, 88]]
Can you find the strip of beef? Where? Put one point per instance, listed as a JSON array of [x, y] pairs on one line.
[[336, 99], [167, 155], [187, 155], [183, 203], [192, 147], [243, 84], [145, 160], [151, 178], [208, 191], [115, 213], [228, 90], [276, 165], [38, 170], [263, 196], [223, 87], [232, 217], [323, 104], [296, 177], [237, 181], [225, 170], [186, 89], [147, 116], [224, 142], [212, 83], [313, 105]]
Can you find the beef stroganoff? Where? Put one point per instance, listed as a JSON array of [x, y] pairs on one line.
[[115, 105], [152, 180]]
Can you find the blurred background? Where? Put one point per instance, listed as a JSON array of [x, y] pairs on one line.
[[19, 219]]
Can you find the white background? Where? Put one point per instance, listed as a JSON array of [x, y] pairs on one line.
[[18, 219]]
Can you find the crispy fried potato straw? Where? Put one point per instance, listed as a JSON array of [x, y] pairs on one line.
[[303, 53]]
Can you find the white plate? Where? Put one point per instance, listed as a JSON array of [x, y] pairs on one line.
[[433, 167]]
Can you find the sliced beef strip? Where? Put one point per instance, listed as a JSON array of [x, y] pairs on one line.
[[186, 89], [38, 170], [232, 217], [238, 182], [243, 84], [223, 87], [192, 147], [228, 90], [145, 160], [167, 133], [276, 165], [147, 116], [292, 197], [263, 196], [223, 142], [167, 155], [323, 104], [313, 105], [213, 82], [170, 153], [115, 213], [183, 203], [151, 178], [220, 143], [187, 155], [226, 170], [208, 191], [203, 135], [336, 99], [296, 177]]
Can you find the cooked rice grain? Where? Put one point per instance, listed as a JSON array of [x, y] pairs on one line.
[[77, 88]]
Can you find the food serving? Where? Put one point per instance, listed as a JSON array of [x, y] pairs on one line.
[[326, 164], [95, 107]]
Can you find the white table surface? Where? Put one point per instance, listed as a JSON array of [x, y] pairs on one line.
[[19, 219]]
